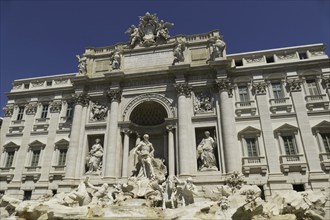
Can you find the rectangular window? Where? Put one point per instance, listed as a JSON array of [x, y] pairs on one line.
[[35, 158], [69, 110], [312, 87], [243, 94], [277, 90], [289, 145], [326, 142], [10, 158], [251, 144], [20, 113], [62, 157], [44, 112]]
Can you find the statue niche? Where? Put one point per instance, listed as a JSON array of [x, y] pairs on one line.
[[94, 158], [206, 157]]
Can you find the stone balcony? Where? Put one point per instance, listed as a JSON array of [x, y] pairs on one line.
[[293, 163], [254, 165], [245, 108], [31, 173], [57, 172], [7, 173], [281, 104], [317, 101], [325, 161]]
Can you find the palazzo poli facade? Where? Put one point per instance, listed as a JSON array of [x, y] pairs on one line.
[[266, 113]]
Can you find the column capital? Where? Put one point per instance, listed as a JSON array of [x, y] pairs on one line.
[[55, 106], [183, 88], [126, 131], [170, 128], [80, 99], [326, 81], [31, 108], [294, 85], [259, 87], [8, 110], [224, 85], [114, 95]]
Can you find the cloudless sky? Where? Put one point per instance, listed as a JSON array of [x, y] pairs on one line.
[[40, 38]]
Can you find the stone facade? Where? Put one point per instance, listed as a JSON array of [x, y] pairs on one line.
[[267, 113]]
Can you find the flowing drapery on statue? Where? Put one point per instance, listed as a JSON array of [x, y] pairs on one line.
[[145, 152], [205, 152]]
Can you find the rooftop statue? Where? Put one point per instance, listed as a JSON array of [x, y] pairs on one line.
[[82, 66], [150, 31]]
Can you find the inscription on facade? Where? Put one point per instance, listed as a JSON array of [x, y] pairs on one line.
[[148, 60]]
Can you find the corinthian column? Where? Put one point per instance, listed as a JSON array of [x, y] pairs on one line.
[[80, 101], [228, 125], [111, 148], [185, 159]]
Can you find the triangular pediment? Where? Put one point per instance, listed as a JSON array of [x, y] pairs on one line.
[[62, 142], [11, 145], [37, 143], [249, 130], [322, 126], [285, 128]]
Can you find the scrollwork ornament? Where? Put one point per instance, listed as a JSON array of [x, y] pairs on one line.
[[259, 87], [183, 89], [31, 108], [8, 110], [114, 95], [294, 84], [55, 106], [326, 81]]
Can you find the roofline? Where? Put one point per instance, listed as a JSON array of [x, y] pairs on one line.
[[46, 77]]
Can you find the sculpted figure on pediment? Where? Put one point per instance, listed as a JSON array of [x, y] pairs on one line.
[[82, 65], [149, 31]]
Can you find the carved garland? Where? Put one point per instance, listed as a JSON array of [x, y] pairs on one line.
[[150, 97], [294, 85], [8, 110], [55, 106], [31, 108], [259, 87]]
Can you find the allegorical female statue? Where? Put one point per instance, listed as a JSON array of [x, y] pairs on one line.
[[205, 152], [94, 157]]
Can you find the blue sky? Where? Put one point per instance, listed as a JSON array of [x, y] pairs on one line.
[[39, 38]]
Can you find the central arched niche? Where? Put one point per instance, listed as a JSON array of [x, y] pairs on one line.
[[148, 113]]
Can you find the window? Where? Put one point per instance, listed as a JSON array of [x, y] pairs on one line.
[[303, 56], [10, 158], [44, 112], [20, 113], [277, 90], [69, 110], [289, 145], [243, 93], [326, 141], [27, 195], [35, 158], [251, 144], [312, 87], [62, 157], [238, 62], [49, 83], [26, 85], [270, 59], [298, 187]]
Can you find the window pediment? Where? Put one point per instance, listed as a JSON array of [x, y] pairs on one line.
[[10, 146], [36, 145], [249, 131], [286, 128], [63, 143], [322, 126]]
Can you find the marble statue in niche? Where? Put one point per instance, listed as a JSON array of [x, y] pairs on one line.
[[94, 158], [205, 152], [98, 112], [203, 102], [82, 66], [145, 152]]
